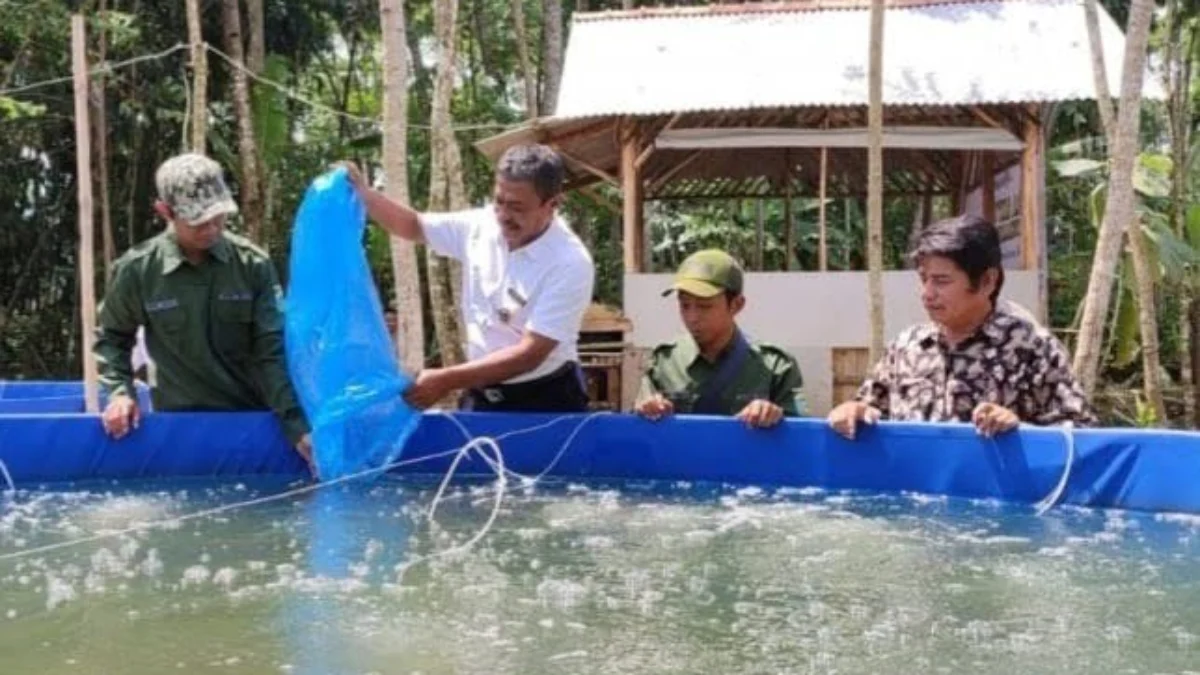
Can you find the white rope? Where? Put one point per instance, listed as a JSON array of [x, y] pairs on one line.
[[528, 480], [292, 94], [149, 525], [497, 463], [12, 488], [1050, 500], [99, 70]]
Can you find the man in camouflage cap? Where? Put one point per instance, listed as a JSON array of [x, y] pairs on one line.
[[714, 369], [208, 301]]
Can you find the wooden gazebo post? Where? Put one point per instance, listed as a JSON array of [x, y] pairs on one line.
[[631, 192], [1031, 208]]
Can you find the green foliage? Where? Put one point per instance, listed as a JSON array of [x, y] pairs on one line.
[[328, 52], [13, 109]]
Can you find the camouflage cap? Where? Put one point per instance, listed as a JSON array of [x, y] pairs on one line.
[[194, 187], [708, 273]]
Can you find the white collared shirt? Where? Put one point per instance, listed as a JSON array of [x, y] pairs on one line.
[[543, 287]]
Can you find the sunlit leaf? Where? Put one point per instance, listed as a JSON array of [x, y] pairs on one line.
[[1125, 342], [1152, 175], [1073, 168]]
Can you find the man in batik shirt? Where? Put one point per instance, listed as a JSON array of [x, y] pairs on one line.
[[979, 359]]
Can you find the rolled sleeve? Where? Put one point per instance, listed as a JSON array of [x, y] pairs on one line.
[[269, 358], [648, 387], [448, 233], [119, 317], [558, 313], [1061, 398], [787, 390]]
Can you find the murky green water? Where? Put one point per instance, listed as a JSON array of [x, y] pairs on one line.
[[644, 579]]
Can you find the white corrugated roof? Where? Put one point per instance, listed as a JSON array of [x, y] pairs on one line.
[[942, 54]]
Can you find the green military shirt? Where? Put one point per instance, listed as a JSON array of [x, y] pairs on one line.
[[214, 331], [678, 372]]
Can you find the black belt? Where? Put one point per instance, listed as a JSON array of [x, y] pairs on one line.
[[558, 391]]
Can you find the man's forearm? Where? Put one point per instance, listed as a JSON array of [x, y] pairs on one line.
[[276, 385], [114, 362], [495, 368], [393, 216]]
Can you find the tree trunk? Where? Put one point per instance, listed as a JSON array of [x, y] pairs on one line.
[[1143, 274], [1100, 72], [256, 51], [410, 331], [1147, 320], [250, 183], [875, 180], [487, 51], [100, 133], [522, 38], [1179, 96], [1193, 319], [199, 110], [552, 54], [1119, 208], [442, 299]]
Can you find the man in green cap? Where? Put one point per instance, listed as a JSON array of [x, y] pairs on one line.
[[208, 301], [714, 369]]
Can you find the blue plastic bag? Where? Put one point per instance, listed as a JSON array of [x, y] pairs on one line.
[[339, 354]]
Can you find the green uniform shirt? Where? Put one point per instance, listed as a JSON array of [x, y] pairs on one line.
[[214, 331], [678, 373]]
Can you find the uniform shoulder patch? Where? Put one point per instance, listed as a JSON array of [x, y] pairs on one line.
[[770, 350], [139, 251], [244, 245], [663, 350]]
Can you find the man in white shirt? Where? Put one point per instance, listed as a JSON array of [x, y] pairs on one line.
[[526, 282]]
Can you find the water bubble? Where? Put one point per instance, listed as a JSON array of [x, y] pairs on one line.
[[58, 592], [225, 577], [195, 575]]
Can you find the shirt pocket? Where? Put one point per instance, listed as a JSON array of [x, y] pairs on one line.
[[744, 397], [166, 316], [515, 308], [232, 328]]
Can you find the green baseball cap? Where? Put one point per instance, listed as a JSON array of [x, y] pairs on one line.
[[708, 273]]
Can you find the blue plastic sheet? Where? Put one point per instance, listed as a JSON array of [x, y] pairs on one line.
[[339, 353], [1149, 470], [52, 396]]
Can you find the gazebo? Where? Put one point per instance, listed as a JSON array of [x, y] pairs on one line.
[[770, 101]]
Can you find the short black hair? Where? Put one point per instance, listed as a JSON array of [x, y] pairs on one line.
[[971, 242], [533, 163]]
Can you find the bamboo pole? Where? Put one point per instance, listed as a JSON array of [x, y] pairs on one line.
[[989, 187], [822, 225], [875, 180], [789, 221], [199, 56], [1029, 196], [1032, 211], [632, 198], [759, 234], [83, 164]]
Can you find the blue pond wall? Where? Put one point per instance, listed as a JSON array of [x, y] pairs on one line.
[[42, 397], [1125, 468]]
